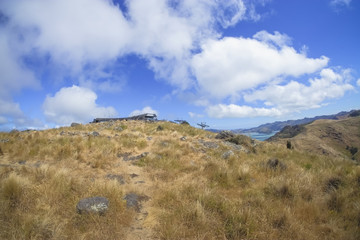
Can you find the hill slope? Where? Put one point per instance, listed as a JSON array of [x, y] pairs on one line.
[[277, 126], [171, 181], [336, 138]]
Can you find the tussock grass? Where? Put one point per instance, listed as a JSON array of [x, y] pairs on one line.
[[196, 193]]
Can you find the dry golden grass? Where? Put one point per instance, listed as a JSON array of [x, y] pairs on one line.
[[196, 192]]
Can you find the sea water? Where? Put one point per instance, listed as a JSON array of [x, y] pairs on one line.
[[260, 136]]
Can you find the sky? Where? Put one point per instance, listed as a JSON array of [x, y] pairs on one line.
[[231, 64]]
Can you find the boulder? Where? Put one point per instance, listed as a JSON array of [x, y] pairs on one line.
[[225, 135], [134, 201], [97, 205], [119, 129], [95, 134], [74, 124], [227, 154], [118, 178]]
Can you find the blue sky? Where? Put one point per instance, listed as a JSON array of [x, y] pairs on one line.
[[231, 64]]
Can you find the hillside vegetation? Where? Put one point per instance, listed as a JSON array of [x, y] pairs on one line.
[[194, 186], [332, 138]]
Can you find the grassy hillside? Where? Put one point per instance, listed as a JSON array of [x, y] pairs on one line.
[[335, 138], [197, 187]]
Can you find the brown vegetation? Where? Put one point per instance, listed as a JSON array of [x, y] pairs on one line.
[[261, 191]]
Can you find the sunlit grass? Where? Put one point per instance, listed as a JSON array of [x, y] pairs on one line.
[[196, 192]]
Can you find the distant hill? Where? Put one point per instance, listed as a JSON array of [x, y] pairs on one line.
[[336, 138], [278, 125]]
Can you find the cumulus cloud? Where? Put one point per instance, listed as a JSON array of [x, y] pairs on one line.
[[230, 65], [76, 33], [290, 97], [74, 104], [236, 111], [146, 109], [295, 96]]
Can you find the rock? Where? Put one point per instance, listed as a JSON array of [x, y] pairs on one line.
[[62, 133], [74, 124], [149, 138], [159, 128], [183, 138], [119, 129], [22, 162], [227, 154], [275, 164], [118, 178], [133, 175], [225, 135], [4, 140], [134, 201], [97, 205], [236, 147], [123, 155], [95, 134], [126, 156], [212, 145]]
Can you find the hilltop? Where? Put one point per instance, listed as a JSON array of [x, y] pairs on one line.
[[165, 180], [335, 138], [278, 125]]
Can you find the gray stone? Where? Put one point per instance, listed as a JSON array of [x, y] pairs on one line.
[[183, 138], [4, 140], [118, 178], [119, 129], [134, 201], [225, 135], [97, 205], [227, 154], [74, 124], [134, 158], [95, 134], [212, 145]]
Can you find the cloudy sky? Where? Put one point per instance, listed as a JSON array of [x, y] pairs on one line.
[[231, 64]]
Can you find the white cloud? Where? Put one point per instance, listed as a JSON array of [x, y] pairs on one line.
[[236, 111], [295, 96], [76, 33], [195, 115], [74, 104], [73, 32], [276, 39], [146, 109], [340, 3], [228, 66], [358, 82]]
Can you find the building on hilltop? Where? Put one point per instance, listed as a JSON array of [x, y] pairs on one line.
[[144, 117]]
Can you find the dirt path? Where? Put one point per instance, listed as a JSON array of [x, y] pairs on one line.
[[139, 183]]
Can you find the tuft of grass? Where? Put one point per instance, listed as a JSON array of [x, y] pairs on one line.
[[12, 190]]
